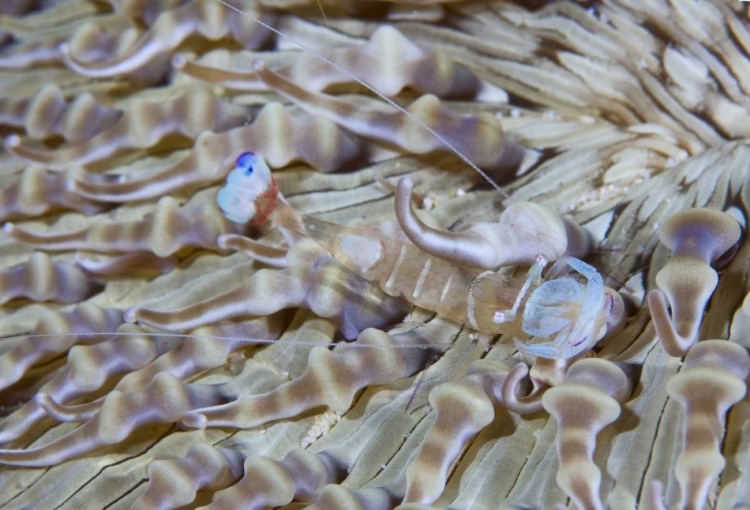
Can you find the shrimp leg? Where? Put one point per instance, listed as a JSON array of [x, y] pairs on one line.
[[532, 277]]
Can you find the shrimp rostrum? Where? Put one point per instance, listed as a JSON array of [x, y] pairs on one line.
[[558, 315]]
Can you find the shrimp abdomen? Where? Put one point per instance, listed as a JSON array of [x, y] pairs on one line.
[[403, 270]]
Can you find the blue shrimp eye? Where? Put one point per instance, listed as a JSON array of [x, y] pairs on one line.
[[245, 161]]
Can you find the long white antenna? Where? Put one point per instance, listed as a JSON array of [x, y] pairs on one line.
[[228, 338], [374, 91]]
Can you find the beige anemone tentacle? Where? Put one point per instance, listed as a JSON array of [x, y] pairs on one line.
[[331, 379], [47, 114], [462, 409], [583, 405], [428, 70], [170, 28], [170, 228], [42, 279], [281, 134], [77, 326], [711, 381], [696, 237], [39, 191], [300, 476], [174, 483], [142, 126], [479, 137]]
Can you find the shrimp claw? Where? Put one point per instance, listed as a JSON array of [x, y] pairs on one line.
[[551, 309], [533, 277]]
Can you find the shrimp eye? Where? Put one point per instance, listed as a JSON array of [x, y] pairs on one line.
[[245, 161]]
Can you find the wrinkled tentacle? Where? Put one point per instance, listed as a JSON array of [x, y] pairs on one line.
[[711, 381], [478, 137], [696, 237], [204, 17], [77, 326], [40, 190], [588, 400], [170, 228], [164, 401], [355, 367], [174, 483], [313, 280], [462, 409], [142, 126], [313, 140], [41, 279]]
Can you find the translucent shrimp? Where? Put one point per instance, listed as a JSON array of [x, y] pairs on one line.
[[576, 314]]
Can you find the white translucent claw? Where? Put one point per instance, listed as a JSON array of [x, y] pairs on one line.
[[549, 311]]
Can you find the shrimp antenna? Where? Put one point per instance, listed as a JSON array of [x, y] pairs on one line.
[[196, 336], [372, 89]]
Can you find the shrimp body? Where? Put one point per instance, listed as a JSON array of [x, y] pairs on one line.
[[575, 314], [464, 295]]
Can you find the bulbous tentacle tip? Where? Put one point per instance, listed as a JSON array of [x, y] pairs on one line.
[[405, 184], [64, 49], [223, 240], [70, 186], [706, 233], [9, 228], [605, 375], [721, 355], [43, 399], [66, 414], [195, 421]]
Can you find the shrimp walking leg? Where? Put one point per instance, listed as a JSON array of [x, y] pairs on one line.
[[533, 276]]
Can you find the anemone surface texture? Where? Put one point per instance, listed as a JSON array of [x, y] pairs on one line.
[[376, 255]]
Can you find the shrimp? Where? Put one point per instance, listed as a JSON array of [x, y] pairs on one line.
[[576, 314]]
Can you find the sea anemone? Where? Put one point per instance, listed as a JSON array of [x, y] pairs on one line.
[[157, 353]]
